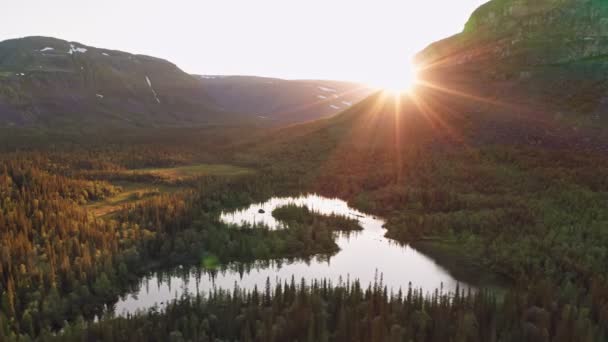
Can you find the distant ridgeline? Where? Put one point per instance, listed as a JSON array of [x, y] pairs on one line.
[[55, 83], [551, 51]]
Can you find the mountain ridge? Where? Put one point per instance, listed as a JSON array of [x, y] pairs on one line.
[[51, 82]]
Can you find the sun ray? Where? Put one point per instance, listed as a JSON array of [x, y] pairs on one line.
[[398, 155], [436, 117], [522, 110], [450, 91]]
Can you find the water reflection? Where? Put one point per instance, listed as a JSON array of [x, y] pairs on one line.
[[362, 256]]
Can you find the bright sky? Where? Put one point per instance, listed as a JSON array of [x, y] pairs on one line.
[[360, 40]]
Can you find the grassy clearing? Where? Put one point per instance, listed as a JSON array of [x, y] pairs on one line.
[[133, 192], [136, 191], [193, 171]]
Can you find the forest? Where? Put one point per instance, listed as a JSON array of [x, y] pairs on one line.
[[474, 173], [342, 312], [533, 216]]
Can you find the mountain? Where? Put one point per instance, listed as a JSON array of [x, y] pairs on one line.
[[522, 74], [530, 52], [282, 101], [49, 82]]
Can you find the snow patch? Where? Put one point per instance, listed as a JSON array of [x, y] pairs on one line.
[[153, 91], [211, 77], [347, 103], [321, 96], [334, 107], [99, 95], [74, 49], [328, 90], [47, 49], [105, 54]]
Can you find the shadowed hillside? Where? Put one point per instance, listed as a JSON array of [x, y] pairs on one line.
[[48, 82]]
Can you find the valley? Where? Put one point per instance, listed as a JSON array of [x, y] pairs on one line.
[[514, 221], [139, 202]]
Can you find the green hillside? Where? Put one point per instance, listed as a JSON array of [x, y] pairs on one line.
[[549, 54]]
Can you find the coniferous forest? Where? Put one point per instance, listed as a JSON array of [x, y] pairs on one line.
[[532, 219]]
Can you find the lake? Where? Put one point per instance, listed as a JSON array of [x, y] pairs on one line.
[[366, 255]]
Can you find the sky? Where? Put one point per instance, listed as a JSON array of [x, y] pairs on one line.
[[370, 41]]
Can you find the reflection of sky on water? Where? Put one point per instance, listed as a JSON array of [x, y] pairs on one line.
[[318, 204], [363, 256]]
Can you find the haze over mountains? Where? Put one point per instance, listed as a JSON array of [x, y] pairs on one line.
[[543, 52], [47, 82], [521, 73], [527, 52], [283, 101]]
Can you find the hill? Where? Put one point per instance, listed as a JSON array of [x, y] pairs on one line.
[[47, 82], [282, 101], [507, 82], [546, 54], [522, 73]]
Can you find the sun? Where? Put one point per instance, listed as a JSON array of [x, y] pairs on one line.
[[400, 80]]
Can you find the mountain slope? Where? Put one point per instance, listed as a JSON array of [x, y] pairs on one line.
[[553, 53], [55, 83], [482, 165], [517, 66], [282, 101], [491, 87], [485, 122]]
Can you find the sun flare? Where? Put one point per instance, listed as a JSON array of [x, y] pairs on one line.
[[399, 81]]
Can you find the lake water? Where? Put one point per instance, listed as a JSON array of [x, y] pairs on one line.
[[364, 255]]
